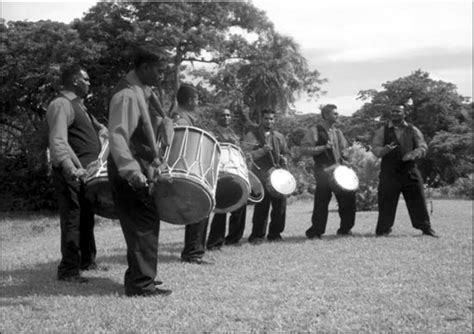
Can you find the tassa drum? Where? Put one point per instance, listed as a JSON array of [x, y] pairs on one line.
[[343, 178], [191, 164], [280, 182], [233, 186], [97, 189]]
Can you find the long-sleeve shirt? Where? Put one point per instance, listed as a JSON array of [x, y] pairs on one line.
[[262, 158], [124, 118], [409, 137], [60, 115]]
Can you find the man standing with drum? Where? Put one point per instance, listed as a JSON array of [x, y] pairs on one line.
[[224, 134], [325, 144], [195, 234], [132, 142], [399, 144], [74, 142], [267, 148]]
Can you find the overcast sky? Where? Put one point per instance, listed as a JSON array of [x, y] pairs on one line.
[[355, 44]]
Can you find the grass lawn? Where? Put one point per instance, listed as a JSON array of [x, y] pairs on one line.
[[402, 283]]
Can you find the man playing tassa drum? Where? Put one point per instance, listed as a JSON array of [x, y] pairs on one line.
[[399, 144], [267, 148], [224, 134], [74, 142], [195, 234], [131, 154], [326, 143]]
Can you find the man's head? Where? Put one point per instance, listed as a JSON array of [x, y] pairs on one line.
[[224, 117], [268, 118], [397, 113], [75, 79], [329, 113], [187, 96], [150, 64]]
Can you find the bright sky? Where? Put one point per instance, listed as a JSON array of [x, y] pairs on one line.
[[356, 45]]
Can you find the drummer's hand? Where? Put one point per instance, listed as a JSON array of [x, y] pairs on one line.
[[411, 155], [76, 174], [266, 148], [138, 181], [329, 145], [389, 147], [283, 161]]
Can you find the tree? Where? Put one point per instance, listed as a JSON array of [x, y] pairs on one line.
[[435, 107]]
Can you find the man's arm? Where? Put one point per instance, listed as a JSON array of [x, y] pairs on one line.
[[308, 144], [123, 120], [378, 148], [252, 146]]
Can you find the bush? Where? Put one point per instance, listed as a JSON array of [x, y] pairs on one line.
[[463, 187], [367, 167]]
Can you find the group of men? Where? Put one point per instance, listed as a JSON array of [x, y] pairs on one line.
[[135, 119]]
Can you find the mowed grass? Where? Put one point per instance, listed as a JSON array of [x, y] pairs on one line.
[[402, 283]]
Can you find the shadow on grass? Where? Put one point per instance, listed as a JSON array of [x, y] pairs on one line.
[[41, 281]]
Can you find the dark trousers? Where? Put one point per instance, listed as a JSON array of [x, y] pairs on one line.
[[236, 228], [346, 202], [195, 240], [410, 184], [260, 217], [78, 247], [140, 224]]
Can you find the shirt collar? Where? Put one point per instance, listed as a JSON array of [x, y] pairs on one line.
[[133, 79], [70, 95]]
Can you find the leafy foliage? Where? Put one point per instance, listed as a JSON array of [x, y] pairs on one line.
[[367, 167]]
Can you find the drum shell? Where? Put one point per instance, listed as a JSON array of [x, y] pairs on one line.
[[191, 166], [233, 186], [97, 190]]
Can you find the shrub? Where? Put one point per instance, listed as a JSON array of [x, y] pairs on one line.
[[367, 167], [463, 187]]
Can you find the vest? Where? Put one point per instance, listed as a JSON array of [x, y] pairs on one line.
[[392, 162], [82, 136], [326, 158]]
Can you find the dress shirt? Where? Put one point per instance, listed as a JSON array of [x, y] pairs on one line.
[[124, 116]]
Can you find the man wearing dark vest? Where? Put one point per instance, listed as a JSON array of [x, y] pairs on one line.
[[194, 234], [224, 134], [267, 148], [399, 144], [74, 142], [133, 121], [326, 144]]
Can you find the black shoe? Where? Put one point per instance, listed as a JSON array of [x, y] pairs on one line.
[[214, 248], [73, 279], [94, 266], [274, 238], [384, 233], [256, 241], [152, 293], [157, 283], [344, 234], [197, 261], [430, 232], [312, 236]]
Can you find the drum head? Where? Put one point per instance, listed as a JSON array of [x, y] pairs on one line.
[[282, 181], [231, 193], [182, 201], [99, 196], [346, 178]]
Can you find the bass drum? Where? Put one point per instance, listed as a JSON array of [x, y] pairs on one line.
[[191, 166], [97, 188], [233, 186]]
